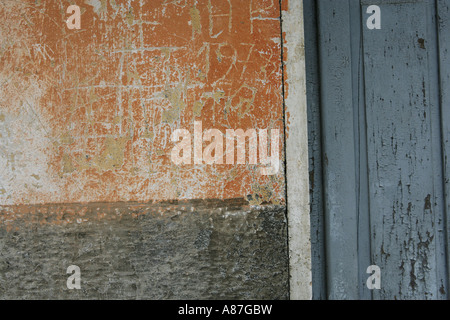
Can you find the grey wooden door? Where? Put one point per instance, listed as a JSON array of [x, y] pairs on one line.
[[379, 114]]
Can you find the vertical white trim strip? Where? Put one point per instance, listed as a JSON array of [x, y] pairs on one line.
[[297, 153]]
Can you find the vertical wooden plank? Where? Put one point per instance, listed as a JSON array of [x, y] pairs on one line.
[[440, 228], [341, 221], [315, 151], [443, 11], [405, 167], [360, 143]]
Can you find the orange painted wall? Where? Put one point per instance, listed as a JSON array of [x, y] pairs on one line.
[[86, 115]]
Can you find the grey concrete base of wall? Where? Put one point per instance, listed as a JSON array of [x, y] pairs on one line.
[[190, 250]]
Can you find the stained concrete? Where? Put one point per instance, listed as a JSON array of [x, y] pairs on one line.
[[297, 175], [176, 250]]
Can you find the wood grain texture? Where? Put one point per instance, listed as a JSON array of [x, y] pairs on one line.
[[341, 225], [315, 152], [443, 7], [384, 113], [404, 148]]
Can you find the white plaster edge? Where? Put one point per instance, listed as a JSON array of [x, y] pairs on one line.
[[297, 175]]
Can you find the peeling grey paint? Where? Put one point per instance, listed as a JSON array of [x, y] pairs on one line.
[[384, 121]]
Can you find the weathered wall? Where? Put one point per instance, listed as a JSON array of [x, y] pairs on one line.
[[195, 250], [87, 115], [86, 174]]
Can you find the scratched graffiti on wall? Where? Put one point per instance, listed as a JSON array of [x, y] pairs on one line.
[[87, 114]]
